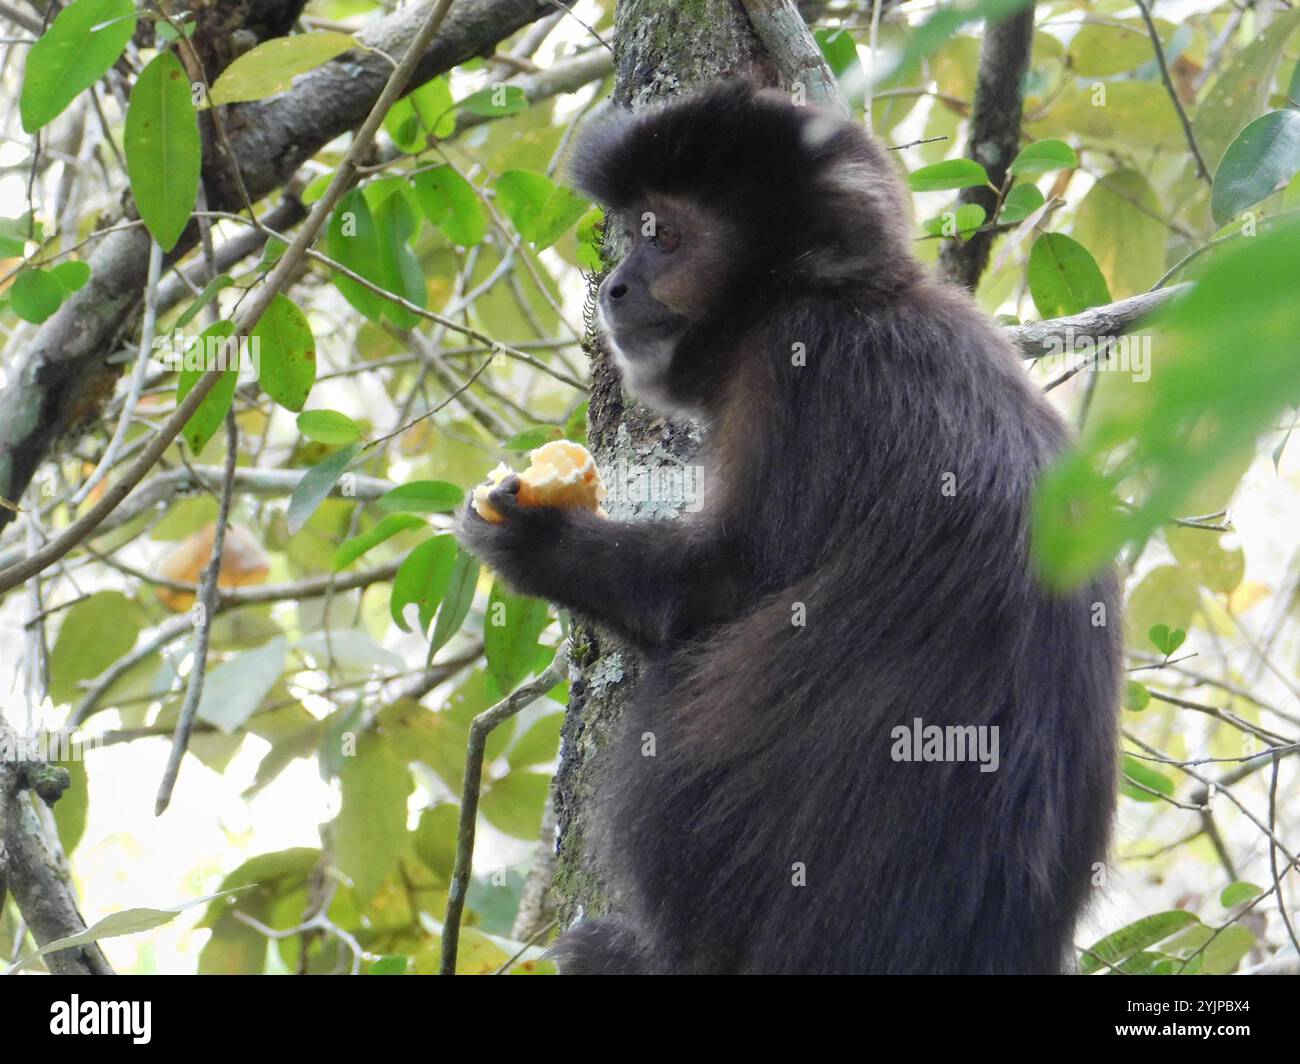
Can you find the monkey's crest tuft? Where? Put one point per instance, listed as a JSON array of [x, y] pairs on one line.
[[814, 196]]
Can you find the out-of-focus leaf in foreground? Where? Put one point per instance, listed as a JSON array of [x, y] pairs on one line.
[[1230, 373]]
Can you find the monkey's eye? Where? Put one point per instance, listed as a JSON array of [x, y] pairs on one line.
[[665, 238]]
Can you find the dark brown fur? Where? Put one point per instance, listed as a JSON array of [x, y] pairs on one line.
[[773, 740]]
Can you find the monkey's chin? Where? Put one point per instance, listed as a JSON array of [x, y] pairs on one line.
[[645, 375], [644, 364]]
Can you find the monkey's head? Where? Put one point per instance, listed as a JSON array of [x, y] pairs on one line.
[[733, 201]]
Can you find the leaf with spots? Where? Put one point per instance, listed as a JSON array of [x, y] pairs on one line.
[[163, 150], [286, 353]]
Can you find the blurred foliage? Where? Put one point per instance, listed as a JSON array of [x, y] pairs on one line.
[[462, 231]]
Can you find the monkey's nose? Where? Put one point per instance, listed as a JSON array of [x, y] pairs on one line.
[[617, 291]]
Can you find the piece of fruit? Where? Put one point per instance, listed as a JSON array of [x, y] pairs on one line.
[[561, 473]]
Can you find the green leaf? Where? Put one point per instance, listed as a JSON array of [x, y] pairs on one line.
[[531, 439], [513, 804], [94, 634], [947, 19], [1239, 893], [838, 48], [451, 205], [316, 484], [352, 549], [368, 234], [541, 210], [370, 829], [1137, 118], [456, 601], [271, 252], [163, 150], [539, 744], [1133, 938], [1063, 277], [1043, 156], [72, 274], [434, 739], [1201, 411], [84, 40], [1136, 696], [510, 632], [316, 188], [1261, 161], [588, 231], [271, 66], [1021, 202], [428, 111], [126, 922], [391, 965], [1166, 641], [1202, 556], [14, 234], [211, 412], [496, 101], [1167, 594], [1240, 93], [36, 294], [269, 879], [1227, 950], [434, 839], [522, 194], [235, 689], [949, 174], [1141, 772], [422, 497], [328, 426], [165, 34], [1119, 223], [961, 222], [286, 351], [351, 648], [576, 427], [209, 293], [423, 579], [1103, 49]]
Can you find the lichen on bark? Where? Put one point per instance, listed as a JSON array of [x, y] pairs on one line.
[[661, 49]]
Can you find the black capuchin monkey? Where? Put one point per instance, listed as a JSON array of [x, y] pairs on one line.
[[858, 575]]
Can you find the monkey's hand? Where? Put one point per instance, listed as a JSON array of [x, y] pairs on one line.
[[649, 581], [524, 547]]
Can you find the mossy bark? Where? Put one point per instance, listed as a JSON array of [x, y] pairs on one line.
[[662, 49]]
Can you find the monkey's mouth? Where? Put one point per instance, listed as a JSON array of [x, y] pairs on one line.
[[646, 343]]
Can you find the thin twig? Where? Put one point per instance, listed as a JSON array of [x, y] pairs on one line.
[[1272, 857], [249, 316], [208, 605], [481, 727], [137, 377], [1201, 169]]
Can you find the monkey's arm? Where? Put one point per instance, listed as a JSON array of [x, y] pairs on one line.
[[650, 581]]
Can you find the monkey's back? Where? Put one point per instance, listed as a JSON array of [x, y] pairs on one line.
[[884, 521]]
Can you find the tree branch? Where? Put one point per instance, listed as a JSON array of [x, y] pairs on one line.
[[994, 135], [227, 599], [37, 870], [52, 377], [479, 730], [790, 43], [1038, 339], [249, 314]]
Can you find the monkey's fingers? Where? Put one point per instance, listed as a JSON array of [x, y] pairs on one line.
[[504, 497]]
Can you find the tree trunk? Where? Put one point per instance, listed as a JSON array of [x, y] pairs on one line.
[[662, 49]]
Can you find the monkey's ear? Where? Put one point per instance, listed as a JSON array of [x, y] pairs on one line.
[[871, 215], [595, 166]]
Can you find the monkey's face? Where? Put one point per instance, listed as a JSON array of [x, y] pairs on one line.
[[670, 279]]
